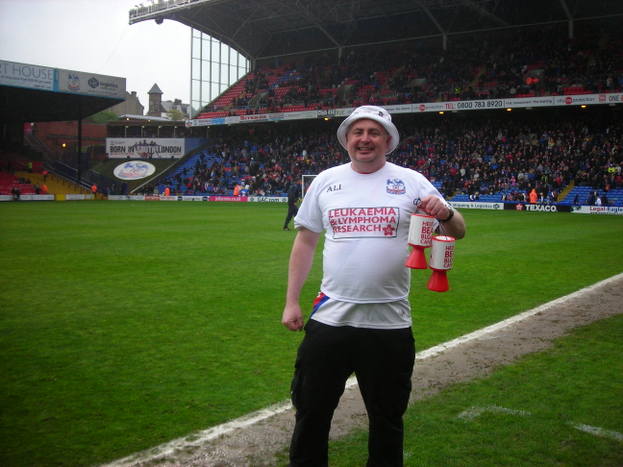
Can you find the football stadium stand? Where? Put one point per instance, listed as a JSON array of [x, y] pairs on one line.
[[315, 57], [488, 158], [33, 93]]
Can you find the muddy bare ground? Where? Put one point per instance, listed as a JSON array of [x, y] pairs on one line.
[[461, 360]]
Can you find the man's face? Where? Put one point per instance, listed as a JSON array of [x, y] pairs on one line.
[[366, 143]]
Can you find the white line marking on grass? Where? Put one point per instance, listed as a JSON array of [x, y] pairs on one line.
[[436, 350], [597, 431], [474, 412], [197, 439]]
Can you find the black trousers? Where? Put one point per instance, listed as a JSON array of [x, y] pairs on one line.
[[292, 210], [382, 361]]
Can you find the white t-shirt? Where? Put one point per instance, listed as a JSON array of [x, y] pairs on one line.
[[366, 222]]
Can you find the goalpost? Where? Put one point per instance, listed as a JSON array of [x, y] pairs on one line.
[[305, 182]]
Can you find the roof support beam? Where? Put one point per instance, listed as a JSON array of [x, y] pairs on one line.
[[483, 12], [230, 41], [444, 34], [565, 8], [244, 23], [303, 8]]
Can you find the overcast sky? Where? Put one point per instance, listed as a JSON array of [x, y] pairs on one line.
[[94, 36]]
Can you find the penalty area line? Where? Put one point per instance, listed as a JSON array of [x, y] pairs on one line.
[[473, 412], [197, 439]]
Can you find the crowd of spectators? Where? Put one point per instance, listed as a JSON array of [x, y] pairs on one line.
[[509, 156], [512, 156], [527, 62], [263, 161]]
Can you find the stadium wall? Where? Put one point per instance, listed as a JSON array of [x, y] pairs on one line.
[[547, 208], [446, 106]]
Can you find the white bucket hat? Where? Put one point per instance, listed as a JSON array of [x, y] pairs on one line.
[[372, 112]]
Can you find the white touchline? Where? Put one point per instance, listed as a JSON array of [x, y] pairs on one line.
[[436, 350], [474, 412], [597, 431], [198, 438]]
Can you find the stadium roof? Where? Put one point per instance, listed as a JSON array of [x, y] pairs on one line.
[[35, 93], [29, 105], [268, 28]]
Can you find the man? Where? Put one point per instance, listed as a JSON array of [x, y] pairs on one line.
[[361, 320], [294, 193]]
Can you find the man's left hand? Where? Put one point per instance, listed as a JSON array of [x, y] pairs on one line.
[[435, 206]]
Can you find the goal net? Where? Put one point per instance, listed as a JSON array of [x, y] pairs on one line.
[[306, 181]]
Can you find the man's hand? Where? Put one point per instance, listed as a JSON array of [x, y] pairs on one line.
[[301, 258], [292, 317], [435, 206]]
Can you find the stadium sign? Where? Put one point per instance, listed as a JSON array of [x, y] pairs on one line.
[[447, 106], [142, 148], [611, 210], [302, 115], [253, 118], [327, 113], [126, 197], [261, 118], [268, 199], [48, 197], [240, 199], [24, 75], [398, 109], [91, 84], [538, 207], [476, 205], [134, 170]]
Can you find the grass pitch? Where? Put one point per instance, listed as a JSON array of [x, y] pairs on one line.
[[128, 324]]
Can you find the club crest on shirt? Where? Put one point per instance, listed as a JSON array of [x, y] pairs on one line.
[[395, 186]]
